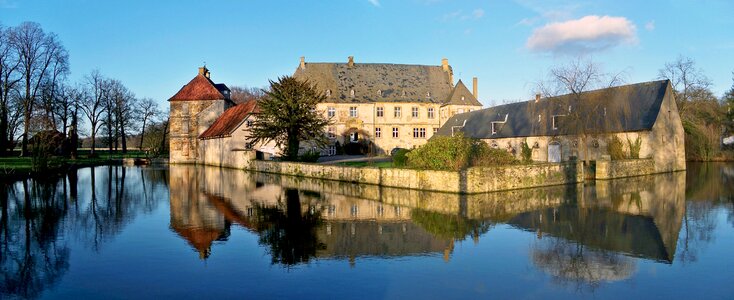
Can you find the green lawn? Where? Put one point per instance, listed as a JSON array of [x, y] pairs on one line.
[[13, 164], [380, 164]]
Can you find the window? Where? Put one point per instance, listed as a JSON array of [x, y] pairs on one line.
[[397, 112], [419, 133], [435, 130], [430, 112], [351, 93], [354, 137], [556, 121], [494, 128], [248, 123], [332, 150], [354, 210], [353, 111], [414, 112], [332, 132], [328, 93], [378, 132], [379, 93], [428, 95], [331, 111], [380, 112], [395, 132]]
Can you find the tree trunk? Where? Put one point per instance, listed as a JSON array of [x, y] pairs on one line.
[[94, 133], [142, 135], [26, 126], [293, 144], [124, 139], [4, 141], [165, 132]]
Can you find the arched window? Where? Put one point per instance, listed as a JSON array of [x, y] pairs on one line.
[[351, 93], [328, 93]]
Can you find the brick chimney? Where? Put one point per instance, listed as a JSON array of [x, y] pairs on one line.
[[302, 66], [203, 71], [474, 88], [446, 68], [351, 62], [537, 97]]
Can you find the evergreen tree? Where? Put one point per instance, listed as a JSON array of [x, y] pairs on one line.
[[288, 116]]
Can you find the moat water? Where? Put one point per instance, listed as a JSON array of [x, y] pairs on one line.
[[186, 232]]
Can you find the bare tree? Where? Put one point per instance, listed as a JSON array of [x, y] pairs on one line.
[[689, 82], [241, 94], [39, 54], [146, 109], [578, 112], [92, 102], [9, 78]]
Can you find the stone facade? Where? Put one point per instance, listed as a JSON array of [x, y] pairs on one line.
[[656, 123], [386, 105]]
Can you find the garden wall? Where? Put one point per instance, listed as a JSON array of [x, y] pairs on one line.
[[609, 169]]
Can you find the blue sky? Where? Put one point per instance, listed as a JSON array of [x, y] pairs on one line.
[[154, 47]]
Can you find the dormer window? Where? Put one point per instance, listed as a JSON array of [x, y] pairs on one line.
[[328, 93], [462, 98], [556, 121], [497, 125], [403, 93], [379, 93], [428, 94], [351, 93]]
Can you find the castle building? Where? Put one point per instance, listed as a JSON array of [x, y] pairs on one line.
[[387, 105], [642, 116]]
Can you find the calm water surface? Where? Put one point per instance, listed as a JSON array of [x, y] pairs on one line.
[[188, 232]]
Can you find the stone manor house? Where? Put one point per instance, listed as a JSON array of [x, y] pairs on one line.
[[388, 106], [382, 106]]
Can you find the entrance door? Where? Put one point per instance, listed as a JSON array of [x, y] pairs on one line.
[[554, 152]]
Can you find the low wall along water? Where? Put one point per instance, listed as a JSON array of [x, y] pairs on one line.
[[472, 180]]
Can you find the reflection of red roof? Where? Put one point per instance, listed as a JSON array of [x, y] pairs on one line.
[[200, 88], [229, 120], [199, 238]]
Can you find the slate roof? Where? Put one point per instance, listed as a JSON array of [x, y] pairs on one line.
[[201, 88], [230, 119], [462, 96], [379, 82], [625, 108]]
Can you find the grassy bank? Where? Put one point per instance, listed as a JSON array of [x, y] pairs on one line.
[[15, 167]]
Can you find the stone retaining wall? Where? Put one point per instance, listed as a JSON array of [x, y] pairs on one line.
[[472, 180], [609, 169]]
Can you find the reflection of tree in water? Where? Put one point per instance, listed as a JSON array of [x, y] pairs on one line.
[[31, 259], [454, 227], [34, 215], [572, 263], [709, 186], [289, 233]]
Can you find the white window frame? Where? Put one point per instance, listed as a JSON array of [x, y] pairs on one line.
[[378, 132], [395, 132], [331, 111], [431, 114], [352, 111], [414, 112], [380, 112], [397, 112]]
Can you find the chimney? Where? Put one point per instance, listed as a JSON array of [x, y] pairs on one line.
[[537, 97], [474, 89], [203, 71], [351, 62], [446, 68], [302, 66]]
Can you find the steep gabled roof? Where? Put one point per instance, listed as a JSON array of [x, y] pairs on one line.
[[462, 96], [200, 88], [228, 122], [625, 108], [379, 82]]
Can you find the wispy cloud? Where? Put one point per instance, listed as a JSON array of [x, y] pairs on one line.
[[374, 2], [461, 16], [650, 26], [585, 35], [8, 4]]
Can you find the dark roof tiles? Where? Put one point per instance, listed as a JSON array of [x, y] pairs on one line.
[[625, 108]]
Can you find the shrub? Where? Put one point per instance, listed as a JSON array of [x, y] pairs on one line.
[[615, 148], [400, 158], [456, 153], [635, 147], [526, 153], [309, 156]]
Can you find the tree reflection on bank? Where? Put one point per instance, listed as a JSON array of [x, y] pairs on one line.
[[38, 213]]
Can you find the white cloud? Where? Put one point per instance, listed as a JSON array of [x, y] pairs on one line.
[[375, 2], [650, 26], [584, 35]]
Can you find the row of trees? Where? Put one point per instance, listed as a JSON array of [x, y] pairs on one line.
[[37, 96]]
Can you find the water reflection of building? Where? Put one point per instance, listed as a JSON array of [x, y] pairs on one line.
[[638, 217]]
